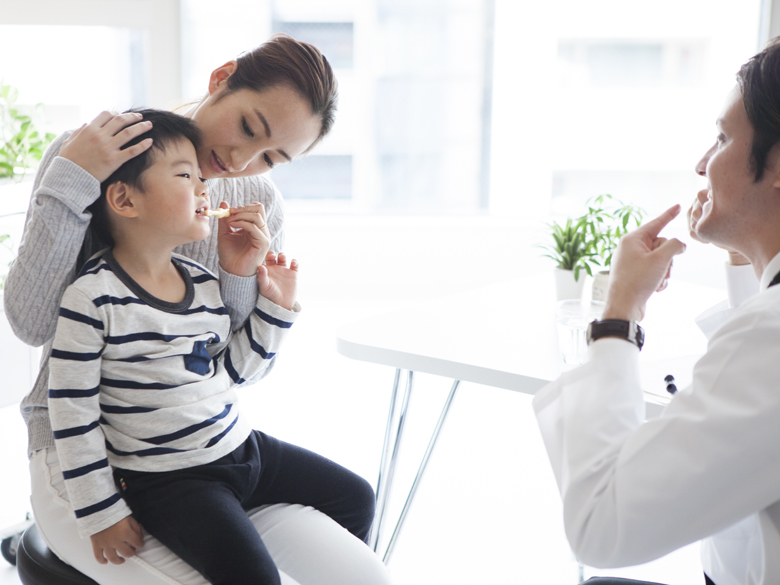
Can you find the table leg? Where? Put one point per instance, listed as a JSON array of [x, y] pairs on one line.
[[387, 464], [420, 471]]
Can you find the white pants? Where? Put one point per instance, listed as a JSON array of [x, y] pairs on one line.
[[308, 547]]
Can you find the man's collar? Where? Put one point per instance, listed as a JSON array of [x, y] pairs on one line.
[[770, 271]]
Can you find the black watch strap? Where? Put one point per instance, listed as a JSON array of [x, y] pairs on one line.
[[628, 330]]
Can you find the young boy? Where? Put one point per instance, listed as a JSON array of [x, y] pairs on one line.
[[144, 368]]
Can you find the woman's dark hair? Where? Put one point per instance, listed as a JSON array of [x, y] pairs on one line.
[[167, 128], [284, 61], [759, 84]]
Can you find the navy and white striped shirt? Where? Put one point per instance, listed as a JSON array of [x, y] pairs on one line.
[[140, 383]]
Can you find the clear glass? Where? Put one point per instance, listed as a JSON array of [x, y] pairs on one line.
[[571, 319]]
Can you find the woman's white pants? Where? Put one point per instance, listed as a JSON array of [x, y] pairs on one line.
[[308, 547]]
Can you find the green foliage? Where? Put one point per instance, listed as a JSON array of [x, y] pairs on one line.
[[606, 221], [589, 241], [21, 145], [571, 249]]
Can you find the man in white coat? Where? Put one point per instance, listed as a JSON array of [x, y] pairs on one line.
[[709, 468]]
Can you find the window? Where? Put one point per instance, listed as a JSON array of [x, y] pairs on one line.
[[610, 97]]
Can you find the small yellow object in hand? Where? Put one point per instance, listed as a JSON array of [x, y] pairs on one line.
[[220, 213]]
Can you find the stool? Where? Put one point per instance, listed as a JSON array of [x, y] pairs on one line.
[[37, 565]]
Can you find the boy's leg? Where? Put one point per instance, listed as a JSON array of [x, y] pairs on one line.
[[202, 521], [294, 475]]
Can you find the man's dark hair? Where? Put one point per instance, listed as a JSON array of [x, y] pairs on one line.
[[167, 128], [759, 84]]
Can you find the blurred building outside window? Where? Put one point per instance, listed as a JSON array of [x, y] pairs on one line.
[[609, 96], [446, 106]]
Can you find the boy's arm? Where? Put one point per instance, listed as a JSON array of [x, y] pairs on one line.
[[252, 349], [74, 409]]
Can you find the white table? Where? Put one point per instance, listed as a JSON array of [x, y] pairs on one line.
[[504, 335]]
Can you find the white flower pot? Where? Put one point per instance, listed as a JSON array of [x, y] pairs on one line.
[[600, 285], [565, 285]]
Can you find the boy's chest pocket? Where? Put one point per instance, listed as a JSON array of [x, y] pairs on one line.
[[199, 361]]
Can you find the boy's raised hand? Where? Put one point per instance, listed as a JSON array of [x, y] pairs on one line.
[[122, 538], [278, 282]]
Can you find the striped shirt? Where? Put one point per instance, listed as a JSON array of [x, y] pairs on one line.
[[140, 383]]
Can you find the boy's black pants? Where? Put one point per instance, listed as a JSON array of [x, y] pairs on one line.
[[200, 513]]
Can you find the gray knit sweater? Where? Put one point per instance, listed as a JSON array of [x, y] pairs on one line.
[[55, 227]]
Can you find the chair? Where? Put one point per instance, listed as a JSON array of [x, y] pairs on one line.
[[37, 565]]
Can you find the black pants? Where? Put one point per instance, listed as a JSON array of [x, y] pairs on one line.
[[200, 512]]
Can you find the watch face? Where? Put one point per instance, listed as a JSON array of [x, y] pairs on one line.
[[628, 330]]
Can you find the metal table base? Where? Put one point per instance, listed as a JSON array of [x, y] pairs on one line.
[[389, 460]]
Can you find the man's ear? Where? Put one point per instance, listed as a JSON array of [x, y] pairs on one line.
[[120, 200], [220, 75]]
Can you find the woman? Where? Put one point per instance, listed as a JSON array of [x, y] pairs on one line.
[[263, 109]]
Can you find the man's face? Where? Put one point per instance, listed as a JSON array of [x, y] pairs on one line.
[[734, 197]]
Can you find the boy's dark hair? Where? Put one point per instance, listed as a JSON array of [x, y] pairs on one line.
[[167, 128], [759, 84]]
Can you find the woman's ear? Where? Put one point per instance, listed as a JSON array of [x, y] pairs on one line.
[[220, 75], [120, 200]]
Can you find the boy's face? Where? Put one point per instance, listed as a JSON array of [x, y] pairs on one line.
[[172, 193]]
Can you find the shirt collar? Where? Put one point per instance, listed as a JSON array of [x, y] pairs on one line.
[[770, 272]]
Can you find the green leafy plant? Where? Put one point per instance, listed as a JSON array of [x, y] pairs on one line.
[[606, 221], [21, 145], [571, 248], [589, 241]]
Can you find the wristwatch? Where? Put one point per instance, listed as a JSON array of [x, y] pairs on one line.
[[628, 330]]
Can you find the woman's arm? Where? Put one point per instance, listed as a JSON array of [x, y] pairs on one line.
[[67, 182], [239, 292], [54, 231]]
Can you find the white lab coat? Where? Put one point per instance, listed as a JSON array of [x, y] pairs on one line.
[[708, 469]]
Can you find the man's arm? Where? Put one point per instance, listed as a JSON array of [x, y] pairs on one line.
[[633, 491]]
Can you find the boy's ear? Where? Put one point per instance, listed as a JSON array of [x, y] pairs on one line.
[[120, 200]]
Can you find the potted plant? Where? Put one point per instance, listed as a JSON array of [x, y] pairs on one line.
[[606, 221], [572, 250], [21, 149]]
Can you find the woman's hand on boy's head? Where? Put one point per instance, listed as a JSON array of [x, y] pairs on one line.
[[97, 147], [278, 282], [243, 239], [122, 538]]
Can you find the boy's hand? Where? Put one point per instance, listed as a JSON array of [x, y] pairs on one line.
[[278, 283], [243, 239], [123, 538]]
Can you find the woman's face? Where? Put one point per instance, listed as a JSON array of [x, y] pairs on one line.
[[248, 133]]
